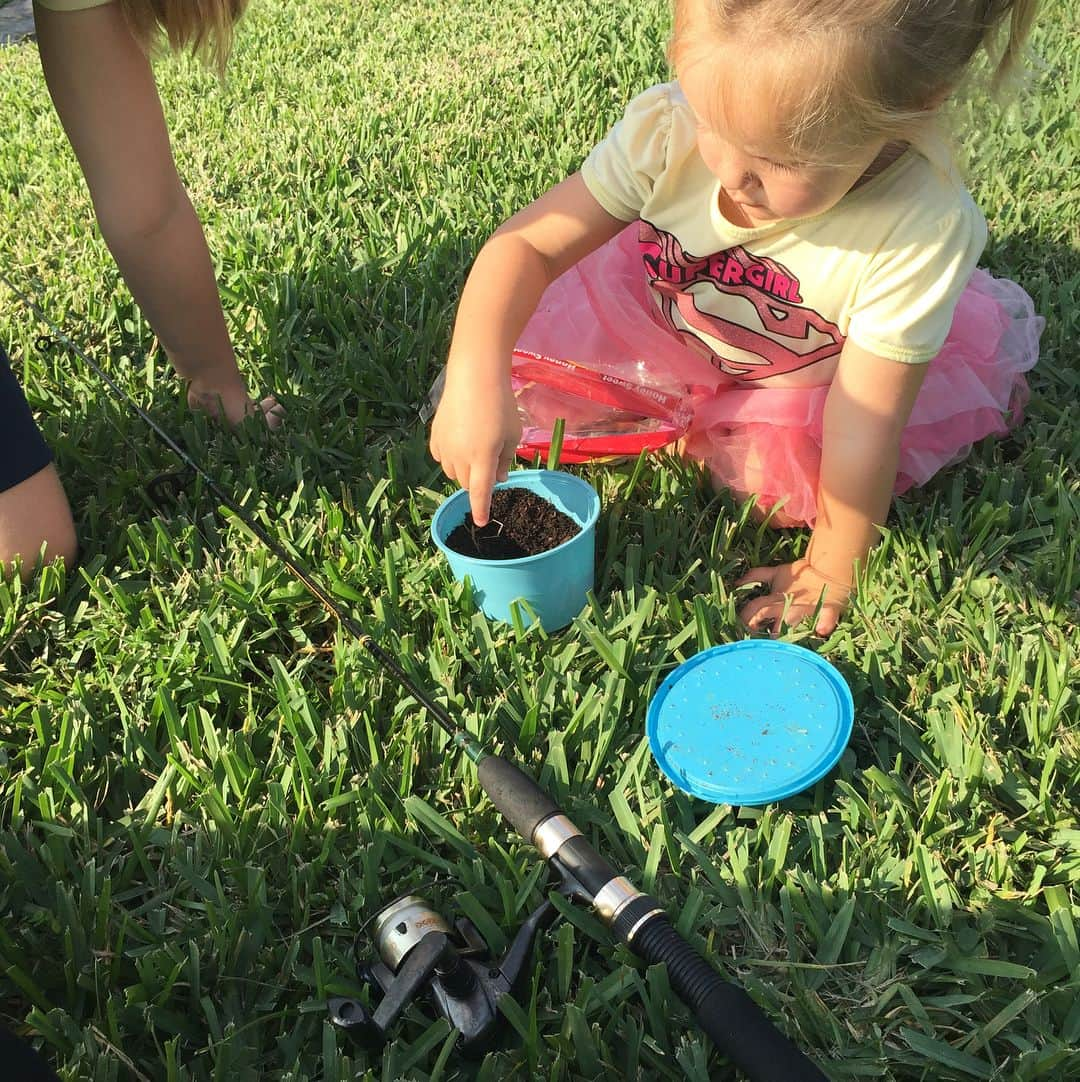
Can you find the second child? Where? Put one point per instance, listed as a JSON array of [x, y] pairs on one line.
[[783, 230]]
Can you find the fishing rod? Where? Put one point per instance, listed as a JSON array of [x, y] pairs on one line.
[[727, 1014]]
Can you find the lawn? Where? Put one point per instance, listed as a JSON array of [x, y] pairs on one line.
[[205, 789]]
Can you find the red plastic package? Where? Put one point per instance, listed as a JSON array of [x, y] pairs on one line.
[[606, 415]]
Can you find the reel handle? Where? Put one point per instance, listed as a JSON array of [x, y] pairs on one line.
[[370, 1028]]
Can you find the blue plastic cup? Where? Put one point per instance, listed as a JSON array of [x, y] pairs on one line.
[[554, 583]]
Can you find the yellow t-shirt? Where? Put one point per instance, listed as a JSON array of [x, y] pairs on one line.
[[884, 267], [72, 5]]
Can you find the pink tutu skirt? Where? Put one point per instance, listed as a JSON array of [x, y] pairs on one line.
[[766, 441]]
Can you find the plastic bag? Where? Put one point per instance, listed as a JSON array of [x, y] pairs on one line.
[[607, 415]]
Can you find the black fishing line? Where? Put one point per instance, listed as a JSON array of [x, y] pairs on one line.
[[174, 482], [734, 1022]]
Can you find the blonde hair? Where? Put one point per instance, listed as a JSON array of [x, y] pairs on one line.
[[203, 26], [851, 71]]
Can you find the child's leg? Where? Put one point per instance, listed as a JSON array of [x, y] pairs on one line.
[[33, 507], [32, 513]]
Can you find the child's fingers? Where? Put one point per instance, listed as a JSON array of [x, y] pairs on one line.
[[273, 411], [506, 460], [827, 620], [775, 612], [758, 576], [446, 463], [763, 613], [480, 483]]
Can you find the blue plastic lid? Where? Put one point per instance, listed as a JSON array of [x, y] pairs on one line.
[[750, 722]]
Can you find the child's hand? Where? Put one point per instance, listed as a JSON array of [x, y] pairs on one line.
[[232, 402], [795, 591], [474, 435]]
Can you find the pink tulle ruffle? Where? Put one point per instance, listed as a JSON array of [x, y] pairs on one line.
[[767, 440]]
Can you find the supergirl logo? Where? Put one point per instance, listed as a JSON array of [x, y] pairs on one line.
[[733, 267], [751, 324]]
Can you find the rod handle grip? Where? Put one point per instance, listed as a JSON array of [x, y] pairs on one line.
[[522, 802], [734, 1022]]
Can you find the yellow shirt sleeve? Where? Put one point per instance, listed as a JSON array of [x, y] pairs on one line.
[[620, 172], [72, 5], [904, 302]]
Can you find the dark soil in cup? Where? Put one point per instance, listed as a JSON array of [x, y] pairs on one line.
[[521, 524]]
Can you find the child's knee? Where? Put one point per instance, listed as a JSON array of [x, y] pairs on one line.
[[63, 543], [36, 523]]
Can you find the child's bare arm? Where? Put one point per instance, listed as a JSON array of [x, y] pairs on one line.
[[476, 428], [104, 92], [868, 406]]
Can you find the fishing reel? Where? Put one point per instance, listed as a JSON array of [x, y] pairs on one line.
[[417, 954]]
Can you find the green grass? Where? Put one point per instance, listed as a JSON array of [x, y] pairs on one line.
[[204, 790]]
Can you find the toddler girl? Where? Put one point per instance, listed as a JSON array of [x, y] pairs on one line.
[[94, 54], [800, 255]]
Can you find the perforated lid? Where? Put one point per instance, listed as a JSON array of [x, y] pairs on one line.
[[750, 722]]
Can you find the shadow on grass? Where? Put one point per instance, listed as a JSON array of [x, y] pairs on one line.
[[207, 942], [212, 964]]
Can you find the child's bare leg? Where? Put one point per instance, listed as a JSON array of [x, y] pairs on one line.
[[33, 512]]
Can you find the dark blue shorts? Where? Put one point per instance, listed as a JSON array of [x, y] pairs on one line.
[[21, 1061], [23, 450]]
